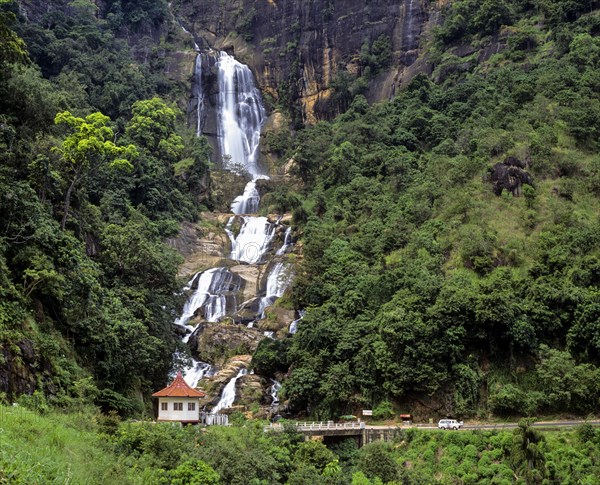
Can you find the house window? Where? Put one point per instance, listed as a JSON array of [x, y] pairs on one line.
[[191, 406], [164, 406], [177, 406]]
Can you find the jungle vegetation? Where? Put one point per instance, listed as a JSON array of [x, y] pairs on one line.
[[419, 281]]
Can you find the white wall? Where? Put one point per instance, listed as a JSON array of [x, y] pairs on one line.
[[185, 415]]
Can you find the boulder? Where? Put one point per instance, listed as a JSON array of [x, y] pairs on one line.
[[278, 319], [203, 245], [251, 389], [250, 274], [216, 342], [509, 175]]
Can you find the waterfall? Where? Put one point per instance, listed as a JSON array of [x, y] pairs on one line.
[[411, 30], [240, 115], [228, 394], [239, 118], [247, 203], [279, 279], [294, 325], [253, 241], [215, 294], [287, 242], [197, 371], [199, 95], [274, 392]]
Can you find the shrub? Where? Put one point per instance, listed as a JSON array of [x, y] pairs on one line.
[[383, 410]]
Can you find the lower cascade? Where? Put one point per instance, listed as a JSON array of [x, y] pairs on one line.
[[196, 372], [215, 294], [228, 394]]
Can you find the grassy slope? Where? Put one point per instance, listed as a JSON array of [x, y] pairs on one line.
[[56, 448]]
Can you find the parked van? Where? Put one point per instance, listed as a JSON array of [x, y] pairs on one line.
[[449, 424]]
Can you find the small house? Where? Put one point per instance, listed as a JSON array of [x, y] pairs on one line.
[[178, 402]]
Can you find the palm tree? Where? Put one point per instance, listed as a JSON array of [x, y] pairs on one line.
[[527, 455]]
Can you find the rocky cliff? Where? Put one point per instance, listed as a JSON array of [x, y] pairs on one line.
[[299, 49]]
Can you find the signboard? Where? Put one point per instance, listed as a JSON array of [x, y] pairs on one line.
[[367, 412]]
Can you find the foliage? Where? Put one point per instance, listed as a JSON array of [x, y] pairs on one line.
[[383, 410], [194, 473], [419, 282], [59, 447], [377, 460], [88, 283]]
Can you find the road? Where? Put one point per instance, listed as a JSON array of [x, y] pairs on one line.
[[500, 426]]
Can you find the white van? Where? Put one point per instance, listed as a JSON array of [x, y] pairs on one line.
[[449, 424]]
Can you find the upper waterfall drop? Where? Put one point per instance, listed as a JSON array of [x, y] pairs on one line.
[[240, 116], [198, 94]]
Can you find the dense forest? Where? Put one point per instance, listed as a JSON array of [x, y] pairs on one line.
[[430, 270], [97, 170], [448, 248]]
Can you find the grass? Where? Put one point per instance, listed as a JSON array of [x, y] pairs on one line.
[[56, 449]]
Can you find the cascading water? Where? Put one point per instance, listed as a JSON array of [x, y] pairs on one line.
[[247, 203], [274, 392], [294, 325], [240, 115], [197, 371], [287, 242], [411, 30], [239, 119], [215, 294], [253, 241], [199, 95], [228, 394], [279, 279]]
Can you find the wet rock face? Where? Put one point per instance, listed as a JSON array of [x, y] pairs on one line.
[[251, 389], [295, 49], [16, 364], [213, 386], [215, 342], [510, 175]]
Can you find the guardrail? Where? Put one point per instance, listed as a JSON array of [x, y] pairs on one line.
[[319, 426]]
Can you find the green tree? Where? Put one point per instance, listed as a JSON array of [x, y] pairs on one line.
[[314, 453], [194, 473], [527, 452], [376, 460], [89, 145], [12, 47], [152, 127]]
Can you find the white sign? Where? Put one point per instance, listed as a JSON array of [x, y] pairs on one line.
[[367, 412]]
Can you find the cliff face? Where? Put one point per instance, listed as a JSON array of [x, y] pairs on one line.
[[296, 48]]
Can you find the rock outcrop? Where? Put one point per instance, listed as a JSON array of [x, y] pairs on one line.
[[296, 49], [204, 245], [216, 342], [213, 386], [16, 364], [250, 389], [510, 175]]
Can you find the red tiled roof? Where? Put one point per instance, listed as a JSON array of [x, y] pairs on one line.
[[178, 388]]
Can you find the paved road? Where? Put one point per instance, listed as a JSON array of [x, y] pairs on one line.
[[500, 426], [333, 429]]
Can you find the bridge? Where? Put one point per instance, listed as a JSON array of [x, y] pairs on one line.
[[364, 434], [331, 431]]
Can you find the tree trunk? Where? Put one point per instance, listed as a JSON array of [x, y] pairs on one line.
[[67, 202]]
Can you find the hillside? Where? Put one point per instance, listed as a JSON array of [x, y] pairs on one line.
[[451, 234], [440, 161]]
